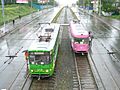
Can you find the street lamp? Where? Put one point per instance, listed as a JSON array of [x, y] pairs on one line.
[[31, 9], [100, 7]]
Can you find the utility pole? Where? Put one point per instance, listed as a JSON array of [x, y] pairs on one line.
[[47, 4], [31, 9], [100, 7], [83, 6], [42, 6], [94, 5]]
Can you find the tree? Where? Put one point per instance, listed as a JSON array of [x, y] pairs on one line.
[[108, 5]]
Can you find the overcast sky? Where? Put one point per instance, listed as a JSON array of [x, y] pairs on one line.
[[66, 2]]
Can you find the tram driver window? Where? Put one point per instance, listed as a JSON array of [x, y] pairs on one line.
[[82, 41], [32, 59], [42, 59]]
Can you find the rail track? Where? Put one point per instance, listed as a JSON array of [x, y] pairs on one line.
[[84, 73], [43, 84]]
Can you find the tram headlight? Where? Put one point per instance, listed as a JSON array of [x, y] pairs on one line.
[[33, 62], [31, 70], [47, 70]]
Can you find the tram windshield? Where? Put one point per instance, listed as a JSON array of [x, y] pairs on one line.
[[39, 58], [81, 40]]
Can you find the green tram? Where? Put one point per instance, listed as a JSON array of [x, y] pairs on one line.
[[43, 52]]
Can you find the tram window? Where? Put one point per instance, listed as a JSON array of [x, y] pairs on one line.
[[81, 40], [77, 40], [32, 59], [42, 59], [49, 30]]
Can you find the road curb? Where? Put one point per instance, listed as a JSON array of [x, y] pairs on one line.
[[55, 15]]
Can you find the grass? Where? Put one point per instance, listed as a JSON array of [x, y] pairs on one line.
[[13, 11], [75, 17], [115, 17], [56, 17]]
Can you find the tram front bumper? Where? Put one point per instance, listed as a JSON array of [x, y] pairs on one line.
[[41, 72]]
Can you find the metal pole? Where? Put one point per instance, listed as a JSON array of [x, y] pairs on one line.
[[47, 4], [8, 47], [31, 9], [88, 6], [94, 5], [88, 11], [42, 6], [83, 7], [99, 7]]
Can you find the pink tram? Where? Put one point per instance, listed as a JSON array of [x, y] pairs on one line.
[[80, 38]]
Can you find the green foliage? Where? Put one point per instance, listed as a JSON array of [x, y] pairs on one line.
[[115, 17], [57, 15], [51, 2], [84, 3], [108, 6], [13, 11]]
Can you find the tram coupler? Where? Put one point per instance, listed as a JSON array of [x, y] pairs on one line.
[[39, 77], [82, 53]]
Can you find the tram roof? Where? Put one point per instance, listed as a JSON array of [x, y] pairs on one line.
[[78, 30], [46, 45]]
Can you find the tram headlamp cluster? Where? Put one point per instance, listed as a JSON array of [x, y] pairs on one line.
[[31, 70], [40, 70], [33, 62], [47, 70]]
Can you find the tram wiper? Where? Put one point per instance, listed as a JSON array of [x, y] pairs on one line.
[[39, 77]]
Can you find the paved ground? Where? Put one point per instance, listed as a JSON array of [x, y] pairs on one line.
[[110, 22]]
